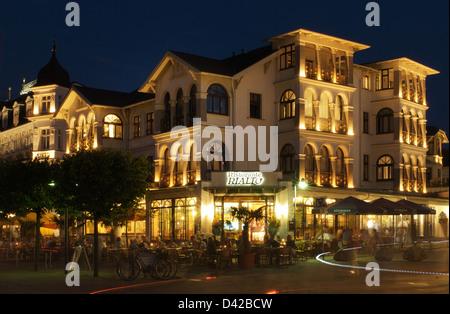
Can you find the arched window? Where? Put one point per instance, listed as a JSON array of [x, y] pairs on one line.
[[217, 100], [339, 109], [216, 149], [341, 174], [179, 108], [310, 163], [340, 165], [385, 121], [287, 105], [112, 126], [166, 162], [385, 168], [325, 162], [287, 159], [324, 106]]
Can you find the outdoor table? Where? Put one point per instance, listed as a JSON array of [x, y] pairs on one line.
[[48, 258]]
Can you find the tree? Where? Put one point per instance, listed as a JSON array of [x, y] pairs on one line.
[[103, 183], [246, 216], [26, 187]]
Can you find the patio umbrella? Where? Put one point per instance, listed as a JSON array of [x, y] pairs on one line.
[[416, 209], [350, 206], [392, 208]]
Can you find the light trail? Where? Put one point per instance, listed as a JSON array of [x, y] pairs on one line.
[[380, 269]]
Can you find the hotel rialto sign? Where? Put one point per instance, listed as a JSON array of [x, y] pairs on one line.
[[244, 178]]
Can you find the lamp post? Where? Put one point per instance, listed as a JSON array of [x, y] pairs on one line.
[[302, 185]]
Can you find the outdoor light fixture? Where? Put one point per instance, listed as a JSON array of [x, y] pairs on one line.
[[302, 184]]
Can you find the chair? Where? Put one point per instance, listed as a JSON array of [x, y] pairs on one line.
[[225, 259], [199, 258], [301, 252], [284, 255]]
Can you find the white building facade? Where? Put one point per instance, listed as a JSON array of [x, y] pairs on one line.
[[343, 129]]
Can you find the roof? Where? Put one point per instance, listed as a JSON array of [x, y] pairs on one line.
[[316, 36], [409, 63], [111, 98], [229, 66], [53, 73]]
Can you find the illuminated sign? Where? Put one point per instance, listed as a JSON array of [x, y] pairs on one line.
[[244, 178]]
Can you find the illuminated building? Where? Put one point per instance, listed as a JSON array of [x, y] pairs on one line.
[[343, 130]]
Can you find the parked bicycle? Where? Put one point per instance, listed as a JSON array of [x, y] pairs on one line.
[[156, 263]]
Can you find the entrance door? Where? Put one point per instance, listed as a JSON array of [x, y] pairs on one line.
[[233, 228]]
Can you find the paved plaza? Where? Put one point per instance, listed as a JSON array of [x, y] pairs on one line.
[[312, 276]]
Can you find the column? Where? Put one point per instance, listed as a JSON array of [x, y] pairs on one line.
[[349, 115], [319, 67], [301, 113], [317, 157], [333, 170], [423, 173], [333, 57], [398, 126], [350, 67], [333, 117], [301, 166], [349, 169], [301, 58], [316, 105]]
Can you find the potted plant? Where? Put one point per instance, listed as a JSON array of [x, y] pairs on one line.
[[274, 225], [217, 227], [246, 216]]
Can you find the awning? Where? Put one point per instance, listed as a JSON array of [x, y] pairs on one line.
[[417, 209], [350, 206], [392, 208]]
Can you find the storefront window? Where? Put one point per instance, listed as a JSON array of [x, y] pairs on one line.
[[173, 219], [232, 227]]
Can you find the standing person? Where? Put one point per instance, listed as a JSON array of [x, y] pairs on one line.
[[118, 243], [290, 243]]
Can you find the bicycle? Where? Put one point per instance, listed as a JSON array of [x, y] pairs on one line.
[[158, 264]]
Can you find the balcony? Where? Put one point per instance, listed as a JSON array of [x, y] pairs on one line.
[[325, 178], [341, 179], [164, 180]]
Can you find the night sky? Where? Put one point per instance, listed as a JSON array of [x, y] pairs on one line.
[[120, 42]]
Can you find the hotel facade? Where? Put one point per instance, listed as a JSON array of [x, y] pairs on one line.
[[342, 129]]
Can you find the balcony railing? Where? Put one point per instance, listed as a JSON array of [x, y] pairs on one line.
[[341, 179], [310, 177], [310, 123], [341, 127], [191, 176], [325, 178], [178, 178], [164, 180]]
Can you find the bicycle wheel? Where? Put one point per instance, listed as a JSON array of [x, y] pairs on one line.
[[128, 269], [163, 269], [173, 267]]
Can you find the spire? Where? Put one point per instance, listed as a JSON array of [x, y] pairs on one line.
[[54, 44]]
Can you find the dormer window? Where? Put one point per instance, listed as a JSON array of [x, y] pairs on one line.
[[287, 57], [45, 106]]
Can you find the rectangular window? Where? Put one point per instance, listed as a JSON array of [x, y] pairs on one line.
[[366, 82], [45, 139], [137, 126], [150, 119], [255, 106], [366, 168], [287, 57], [366, 122], [385, 79], [45, 104]]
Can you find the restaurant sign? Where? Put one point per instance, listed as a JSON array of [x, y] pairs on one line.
[[244, 178]]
